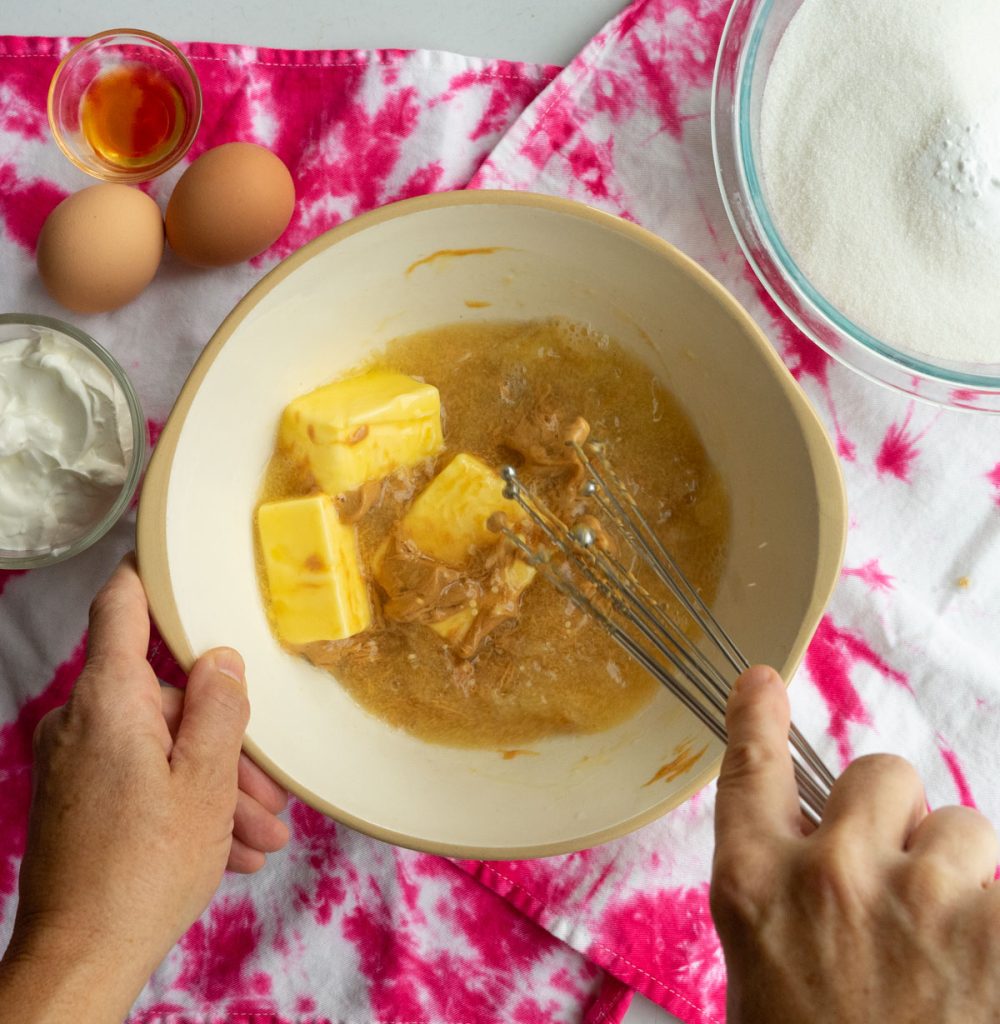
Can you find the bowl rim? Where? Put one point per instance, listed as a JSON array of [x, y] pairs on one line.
[[749, 182], [139, 174], [151, 524]]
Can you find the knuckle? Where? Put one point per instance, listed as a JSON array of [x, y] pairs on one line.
[[55, 739], [729, 890], [926, 883], [886, 764], [43, 736], [100, 710], [968, 821], [747, 758], [827, 872], [736, 895]]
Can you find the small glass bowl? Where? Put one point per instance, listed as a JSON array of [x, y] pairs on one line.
[[749, 41], [15, 325], [96, 56]]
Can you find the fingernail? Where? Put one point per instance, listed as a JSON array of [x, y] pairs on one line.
[[755, 676], [229, 663]]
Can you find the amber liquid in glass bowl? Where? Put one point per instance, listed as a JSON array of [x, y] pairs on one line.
[[132, 115], [124, 105]]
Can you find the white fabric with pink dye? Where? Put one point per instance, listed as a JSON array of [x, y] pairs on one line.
[[343, 928]]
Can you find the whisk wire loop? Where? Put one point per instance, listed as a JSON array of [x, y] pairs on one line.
[[596, 579], [609, 484]]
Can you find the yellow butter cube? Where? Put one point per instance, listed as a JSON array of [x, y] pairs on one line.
[[448, 519], [314, 578], [447, 523], [363, 428]]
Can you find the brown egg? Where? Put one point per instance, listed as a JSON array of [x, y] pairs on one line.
[[230, 204], [100, 247]]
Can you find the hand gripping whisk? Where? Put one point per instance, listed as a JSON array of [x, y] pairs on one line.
[[579, 562]]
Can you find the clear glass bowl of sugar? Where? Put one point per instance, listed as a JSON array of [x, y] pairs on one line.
[[881, 353]]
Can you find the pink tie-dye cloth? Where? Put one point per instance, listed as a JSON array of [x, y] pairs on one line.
[[339, 927], [342, 928]]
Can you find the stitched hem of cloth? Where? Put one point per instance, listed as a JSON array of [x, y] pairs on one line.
[[265, 56], [614, 962], [609, 1007], [611, 1003], [522, 132], [273, 1017]]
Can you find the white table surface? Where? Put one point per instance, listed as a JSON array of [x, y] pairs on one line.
[[545, 31]]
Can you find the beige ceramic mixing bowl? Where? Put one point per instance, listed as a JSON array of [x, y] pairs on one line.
[[341, 297]]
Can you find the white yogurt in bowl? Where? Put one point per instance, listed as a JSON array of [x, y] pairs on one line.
[[72, 441]]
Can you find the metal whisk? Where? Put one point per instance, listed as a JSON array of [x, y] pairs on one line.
[[594, 577]]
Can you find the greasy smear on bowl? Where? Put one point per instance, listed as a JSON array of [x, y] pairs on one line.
[[683, 760], [509, 393]]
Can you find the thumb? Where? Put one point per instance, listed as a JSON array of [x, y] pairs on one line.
[[213, 720], [757, 797]]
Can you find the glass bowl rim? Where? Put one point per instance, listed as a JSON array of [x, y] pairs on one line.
[[139, 174], [140, 445], [752, 186]]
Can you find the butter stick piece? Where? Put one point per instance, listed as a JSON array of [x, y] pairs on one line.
[[314, 578], [363, 428], [447, 522], [448, 519]]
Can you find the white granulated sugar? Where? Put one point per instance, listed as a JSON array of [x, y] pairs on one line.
[[880, 156]]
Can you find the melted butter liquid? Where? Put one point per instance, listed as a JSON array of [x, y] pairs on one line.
[[553, 671]]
